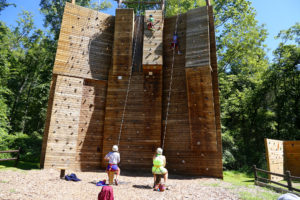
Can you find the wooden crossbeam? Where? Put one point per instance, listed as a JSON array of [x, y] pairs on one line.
[[73, 1], [143, 2]]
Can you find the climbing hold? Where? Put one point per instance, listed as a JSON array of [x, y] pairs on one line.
[[206, 169], [198, 143], [183, 161]]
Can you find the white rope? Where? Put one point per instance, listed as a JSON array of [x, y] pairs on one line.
[[171, 81], [129, 80]]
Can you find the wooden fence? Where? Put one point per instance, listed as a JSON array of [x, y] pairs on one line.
[[15, 158], [266, 182]]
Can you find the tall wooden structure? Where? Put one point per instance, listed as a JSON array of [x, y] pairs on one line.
[[111, 83]]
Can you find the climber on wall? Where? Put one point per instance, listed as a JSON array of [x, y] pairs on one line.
[[151, 23], [175, 43], [113, 159], [159, 163]]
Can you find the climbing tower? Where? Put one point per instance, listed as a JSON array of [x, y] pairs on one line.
[[117, 82]]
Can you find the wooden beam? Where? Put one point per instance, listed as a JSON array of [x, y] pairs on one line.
[[73, 1], [208, 2], [142, 2]]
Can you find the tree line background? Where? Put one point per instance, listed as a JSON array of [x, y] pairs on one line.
[[259, 97]]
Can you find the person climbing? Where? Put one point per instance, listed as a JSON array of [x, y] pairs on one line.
[[159, 163], [175, 43], [151, 23], [113, 159]]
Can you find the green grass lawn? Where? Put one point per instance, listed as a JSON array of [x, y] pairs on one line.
[[244, 184], [5, 165]]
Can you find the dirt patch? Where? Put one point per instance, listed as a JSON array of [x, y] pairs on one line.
[[46, 184]]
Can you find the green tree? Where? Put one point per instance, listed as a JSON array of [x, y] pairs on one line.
[[4, 4]]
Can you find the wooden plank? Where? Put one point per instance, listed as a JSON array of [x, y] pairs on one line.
[[153, 102], [81, 47], [275, 161], [197, 38], [152, 51], [198, 113], [62, 137]]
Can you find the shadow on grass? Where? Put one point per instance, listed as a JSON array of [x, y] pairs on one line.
[[21, 165]]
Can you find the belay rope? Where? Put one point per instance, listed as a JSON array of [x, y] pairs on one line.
[[171, 81], [129, 80]]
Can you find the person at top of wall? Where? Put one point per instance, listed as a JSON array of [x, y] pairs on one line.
[[151, 23], [113, 159], [159, 163], [175, 43]]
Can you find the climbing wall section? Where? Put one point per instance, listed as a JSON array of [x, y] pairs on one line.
[[118, 85], [64, 122], [152, 71], [192, 138], [282, 156], [74, 126], [199, 81]]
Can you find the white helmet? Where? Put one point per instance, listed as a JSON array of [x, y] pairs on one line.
[[115, 148], [159, 151]]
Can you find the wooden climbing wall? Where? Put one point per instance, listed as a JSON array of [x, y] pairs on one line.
[[74, 126], [184, 153], [64, 122], [275, 158], [90, 132], [117, 87], [100, 51], [152, 71], [199, 81], [282, 156], [292, 157]]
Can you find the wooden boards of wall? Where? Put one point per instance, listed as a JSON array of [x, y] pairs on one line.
[[275, 158], [90, 133], [118, 82], [84, 54], [153, 39], [199, 81], [64, 123], [181, 158], [85, 43], [123, 40], [153, 103], [201, 109], [197, 38], [292, 157], [282, 156]]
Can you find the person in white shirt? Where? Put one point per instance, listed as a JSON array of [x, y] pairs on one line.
[[113, 159]]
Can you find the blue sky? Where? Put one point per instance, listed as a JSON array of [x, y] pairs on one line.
[[275, 14]]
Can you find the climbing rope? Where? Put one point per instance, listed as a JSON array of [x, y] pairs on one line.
[[171, 81], [130, 76]]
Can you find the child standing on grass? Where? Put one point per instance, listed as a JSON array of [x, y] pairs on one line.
[[113, 159]]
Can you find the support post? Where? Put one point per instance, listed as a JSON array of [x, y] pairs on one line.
[[288, 179], [62, 173], [18, 157], [255, 173], [208, 2], [74, 2]]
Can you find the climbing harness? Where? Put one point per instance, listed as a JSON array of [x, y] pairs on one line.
[[171, 81], [129, 80]]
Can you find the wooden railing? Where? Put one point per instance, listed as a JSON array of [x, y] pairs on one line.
[[266, 182], [12, 151]]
